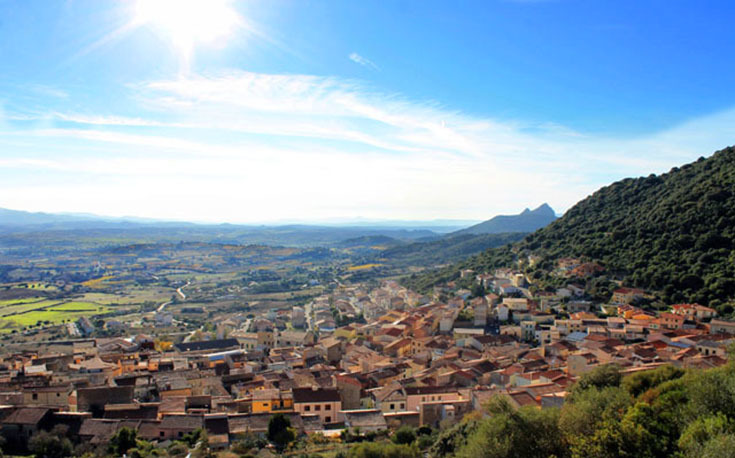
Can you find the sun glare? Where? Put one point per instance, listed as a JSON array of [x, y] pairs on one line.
[[189, 22]]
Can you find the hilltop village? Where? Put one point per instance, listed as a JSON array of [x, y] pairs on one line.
[[357, 359]]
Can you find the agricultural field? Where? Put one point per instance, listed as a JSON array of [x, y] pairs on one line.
[[41, 286], [12, 302], [13, 309], [56, 314], [100, 282], [130, 296], [24, 312], [363, 267], [74, 307], [134, 283]]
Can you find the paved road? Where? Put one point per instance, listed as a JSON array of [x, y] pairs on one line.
[[179, 292]]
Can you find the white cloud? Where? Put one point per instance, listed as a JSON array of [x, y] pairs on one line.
[[49, 91], [364, 61], [254, 147]]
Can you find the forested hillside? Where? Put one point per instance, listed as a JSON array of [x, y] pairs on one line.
[[446, 249], [673, 233], [665, 412]]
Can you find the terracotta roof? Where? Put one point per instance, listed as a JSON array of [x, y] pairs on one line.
[[149, 430], [266, 395], [100, 431], [92, 364], [419, 390], [181, 422], [240, 424], [203, 345], [523, 399], [26, 416]]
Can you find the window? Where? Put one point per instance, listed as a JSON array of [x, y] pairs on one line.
[[440, 398], [58, 394], [403, 406], [327, 407], [307, 408], [160, 433], [317, 408], [35, 396], [328, 420], [181, 434], [392, 406]]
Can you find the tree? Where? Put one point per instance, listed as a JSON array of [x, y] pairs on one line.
[[453, 438], [588, 412], [404, 435], [49, 445], [607, 375], [478, 290], [705, 433], [382, 450], [193, 437], [638, 384], [123, 440], [178, 449], [515, 433], [202, 449], [279, 431]]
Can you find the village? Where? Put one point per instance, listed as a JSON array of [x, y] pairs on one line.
[[357, 359]]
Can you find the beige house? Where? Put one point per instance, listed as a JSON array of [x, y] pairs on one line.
[[322, 402], [49, 396]]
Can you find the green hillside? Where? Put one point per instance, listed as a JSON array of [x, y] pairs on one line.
[[673, 233], [446, 249]]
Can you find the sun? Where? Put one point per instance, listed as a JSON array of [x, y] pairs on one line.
[[188, 22]]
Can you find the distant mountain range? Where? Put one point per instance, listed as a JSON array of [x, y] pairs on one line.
[[19, 218], [526, 221], [415, 243], [25, 219]]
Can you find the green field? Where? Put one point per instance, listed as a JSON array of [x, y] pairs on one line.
[[48, 312], [26, 300], [25, 307], [78, 307]]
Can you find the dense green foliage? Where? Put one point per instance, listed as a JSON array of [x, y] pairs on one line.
[[672, 233], [122, 441], [454, 438], [51, 444], [404, 435], [664, 412], [382, 450], [279, 431]]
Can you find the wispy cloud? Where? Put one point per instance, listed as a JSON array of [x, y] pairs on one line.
[[364, 61], [246, 146], [49, 91]]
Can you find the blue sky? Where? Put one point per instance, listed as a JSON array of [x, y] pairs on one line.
[[253, 111]]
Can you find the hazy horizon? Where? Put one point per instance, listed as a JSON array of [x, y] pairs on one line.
[[336, 221]]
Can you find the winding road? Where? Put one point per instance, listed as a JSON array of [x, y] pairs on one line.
[[181, 294]]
